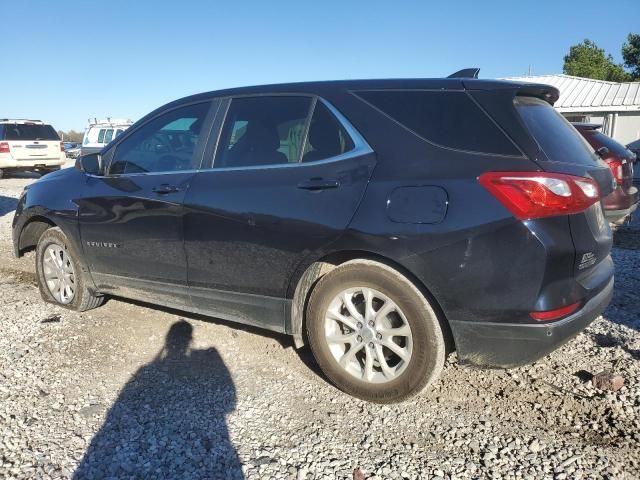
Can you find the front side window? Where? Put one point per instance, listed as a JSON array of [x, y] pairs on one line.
[[166, 144], [263, 131], [327, 138]]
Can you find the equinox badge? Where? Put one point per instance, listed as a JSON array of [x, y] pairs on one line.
[[103, 244]]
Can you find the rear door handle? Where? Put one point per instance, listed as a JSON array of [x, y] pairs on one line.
[[316, 184], [165, 189]]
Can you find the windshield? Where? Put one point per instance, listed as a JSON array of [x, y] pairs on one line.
[[555, 136], [27, 131]]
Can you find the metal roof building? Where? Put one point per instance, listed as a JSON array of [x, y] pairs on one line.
[[615, 105]]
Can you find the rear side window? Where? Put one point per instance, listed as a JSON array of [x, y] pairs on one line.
[[327, 138], [263, 131], [449, 119], [555, 135], [101, 134], [24, 131], [108, 136]]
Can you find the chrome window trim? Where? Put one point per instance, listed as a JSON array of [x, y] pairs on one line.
[[139, 174], [361, 147]]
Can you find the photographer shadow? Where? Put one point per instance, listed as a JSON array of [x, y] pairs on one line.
[[169, 419]]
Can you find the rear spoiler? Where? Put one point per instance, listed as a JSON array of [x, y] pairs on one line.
[[545, 92]]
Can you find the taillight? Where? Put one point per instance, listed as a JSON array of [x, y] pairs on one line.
[[529, 195], [555, 314], [4, 147], [616, 169], [62, 146]]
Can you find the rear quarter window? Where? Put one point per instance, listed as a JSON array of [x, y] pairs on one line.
[[555, 136], [446, 118]]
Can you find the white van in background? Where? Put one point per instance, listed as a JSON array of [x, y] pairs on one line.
[[100, 132]]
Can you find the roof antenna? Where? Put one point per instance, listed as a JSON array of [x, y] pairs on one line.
[[466, 73]]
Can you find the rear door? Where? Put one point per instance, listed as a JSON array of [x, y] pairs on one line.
[[32, 142], [274, 195], [131, 218]]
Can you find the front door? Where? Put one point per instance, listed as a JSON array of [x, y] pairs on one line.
[[270, 200], [131, 218]]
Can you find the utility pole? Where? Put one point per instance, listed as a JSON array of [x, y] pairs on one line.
[[529, 73]]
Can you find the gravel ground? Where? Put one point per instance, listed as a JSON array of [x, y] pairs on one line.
[[128, 391]]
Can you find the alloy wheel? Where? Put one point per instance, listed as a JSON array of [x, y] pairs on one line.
[[368, 335], [58, 273]]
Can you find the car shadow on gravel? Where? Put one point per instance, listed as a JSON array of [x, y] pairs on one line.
[[7, 205], [169, 419]]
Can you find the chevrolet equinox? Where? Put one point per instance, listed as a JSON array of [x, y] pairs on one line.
[[382, 222]]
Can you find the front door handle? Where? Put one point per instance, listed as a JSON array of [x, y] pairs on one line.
[[165, 189], [316, 184]]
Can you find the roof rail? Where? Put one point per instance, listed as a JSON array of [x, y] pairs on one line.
[[19, 120], [466, 73]]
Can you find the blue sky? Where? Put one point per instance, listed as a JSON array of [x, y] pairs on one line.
[[66, 61]]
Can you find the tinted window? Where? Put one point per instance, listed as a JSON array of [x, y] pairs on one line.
[[327, 138], [263, 131], [24, 131], [101, 135], [167, 143], [449, 119], [555, 135], [118, 132], [108, 136]]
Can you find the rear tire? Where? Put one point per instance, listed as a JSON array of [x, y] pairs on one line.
[[364, 311], [61, 277]]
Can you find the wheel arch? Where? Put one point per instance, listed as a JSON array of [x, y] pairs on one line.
[[31, 232], [305, 283]]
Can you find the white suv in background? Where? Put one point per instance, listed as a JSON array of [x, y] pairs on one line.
[[100, 132], [29, 145]]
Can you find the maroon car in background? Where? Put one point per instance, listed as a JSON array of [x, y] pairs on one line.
[[620, 204]]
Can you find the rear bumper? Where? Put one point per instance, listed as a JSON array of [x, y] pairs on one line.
[[620, 204], [503, 345], [9, 163]]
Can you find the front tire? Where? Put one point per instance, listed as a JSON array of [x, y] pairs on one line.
[[373, 333], [61, 278]]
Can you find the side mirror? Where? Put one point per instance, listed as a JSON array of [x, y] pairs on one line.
[[90, 164], [602, 152]]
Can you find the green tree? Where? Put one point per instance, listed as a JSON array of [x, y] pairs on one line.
[[590, 61], [631, 54]]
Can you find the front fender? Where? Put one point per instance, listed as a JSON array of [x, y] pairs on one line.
[[46, 203]]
